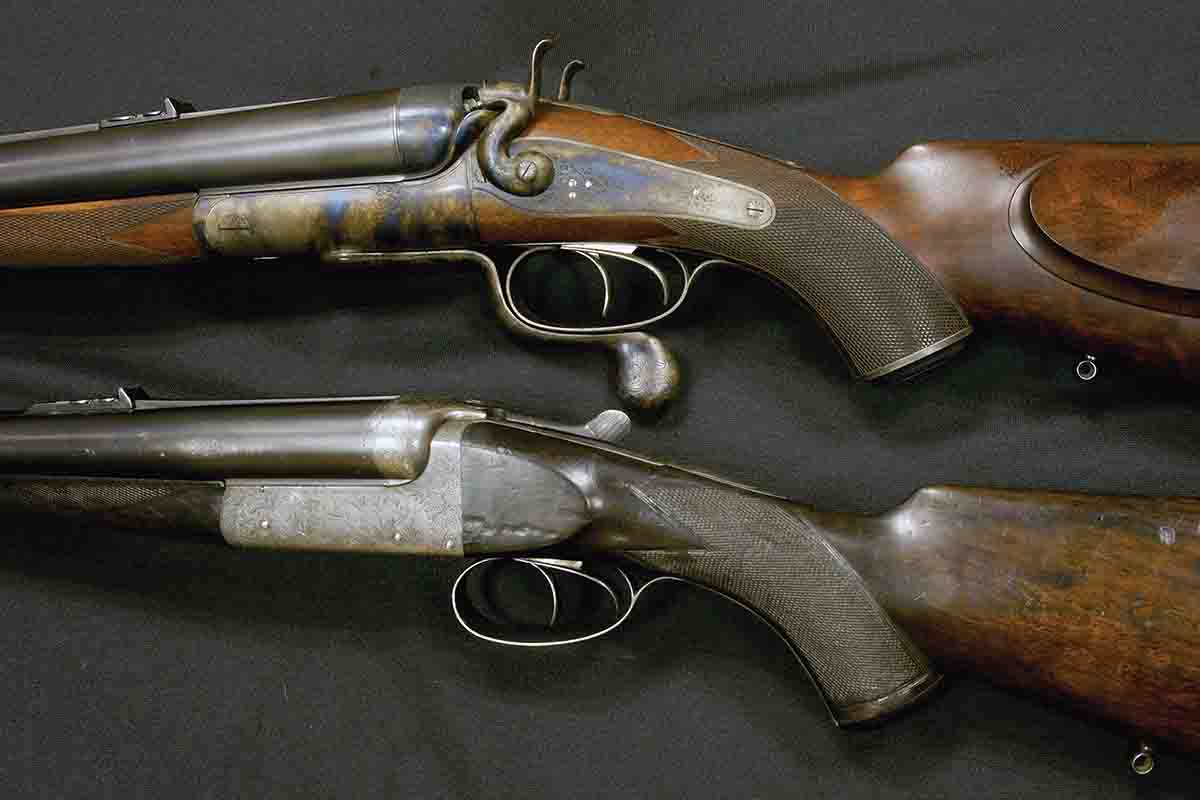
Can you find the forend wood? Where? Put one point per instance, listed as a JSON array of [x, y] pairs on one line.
[[151, 230]]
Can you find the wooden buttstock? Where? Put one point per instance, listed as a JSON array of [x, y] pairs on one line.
[[621, 179], [135, 231], [1090, 600], [1093, 244]]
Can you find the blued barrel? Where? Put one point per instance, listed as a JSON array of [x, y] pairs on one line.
[[408, 132]]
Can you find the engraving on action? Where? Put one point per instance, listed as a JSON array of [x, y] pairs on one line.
[[592, 181], [423, 516]]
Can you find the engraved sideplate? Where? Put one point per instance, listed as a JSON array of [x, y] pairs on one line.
[[422, 516], [594, 181]]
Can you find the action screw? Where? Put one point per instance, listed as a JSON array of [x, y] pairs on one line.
[[527, 171]]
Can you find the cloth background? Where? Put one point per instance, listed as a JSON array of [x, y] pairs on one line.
[[166, 668]]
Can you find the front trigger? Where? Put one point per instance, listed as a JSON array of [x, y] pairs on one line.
[[596, 251]]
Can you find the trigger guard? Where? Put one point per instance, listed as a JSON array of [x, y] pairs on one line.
[[624, 611], [623, 595], [648, 374], [479, 598], [626, 598]]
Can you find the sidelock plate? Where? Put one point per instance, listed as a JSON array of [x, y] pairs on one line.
[[596, 181], [422, 516]]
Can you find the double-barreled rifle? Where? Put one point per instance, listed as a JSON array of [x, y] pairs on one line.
[[592, 225], [1088, 600]]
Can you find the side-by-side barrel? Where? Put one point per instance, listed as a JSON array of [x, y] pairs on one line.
[[365, 438], [407, 133]]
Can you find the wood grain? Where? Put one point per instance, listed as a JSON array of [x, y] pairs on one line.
[[1091, 245], [136, 231], [614, 131], [951, 204], [1089, 600], [1138, 213]]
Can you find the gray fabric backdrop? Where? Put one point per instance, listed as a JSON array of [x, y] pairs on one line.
[[172, 668]]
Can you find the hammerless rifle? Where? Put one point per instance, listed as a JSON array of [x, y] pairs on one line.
[[1093, 244], [1089, 600]]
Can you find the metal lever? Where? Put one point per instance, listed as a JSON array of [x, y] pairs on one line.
[[611, 426]]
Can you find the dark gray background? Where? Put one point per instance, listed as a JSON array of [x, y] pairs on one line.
[[133, 667]]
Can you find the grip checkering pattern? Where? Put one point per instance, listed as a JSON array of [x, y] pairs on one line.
[[880, 304], [84, 234], [760, 552], [79, 497], [160, 505]]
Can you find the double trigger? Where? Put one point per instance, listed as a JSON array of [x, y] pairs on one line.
[[637, 277]]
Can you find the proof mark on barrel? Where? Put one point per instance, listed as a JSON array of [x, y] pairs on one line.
[[235, 222]]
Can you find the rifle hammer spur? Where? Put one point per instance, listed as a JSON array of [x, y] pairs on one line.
[[532, 172], [568, 75]]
